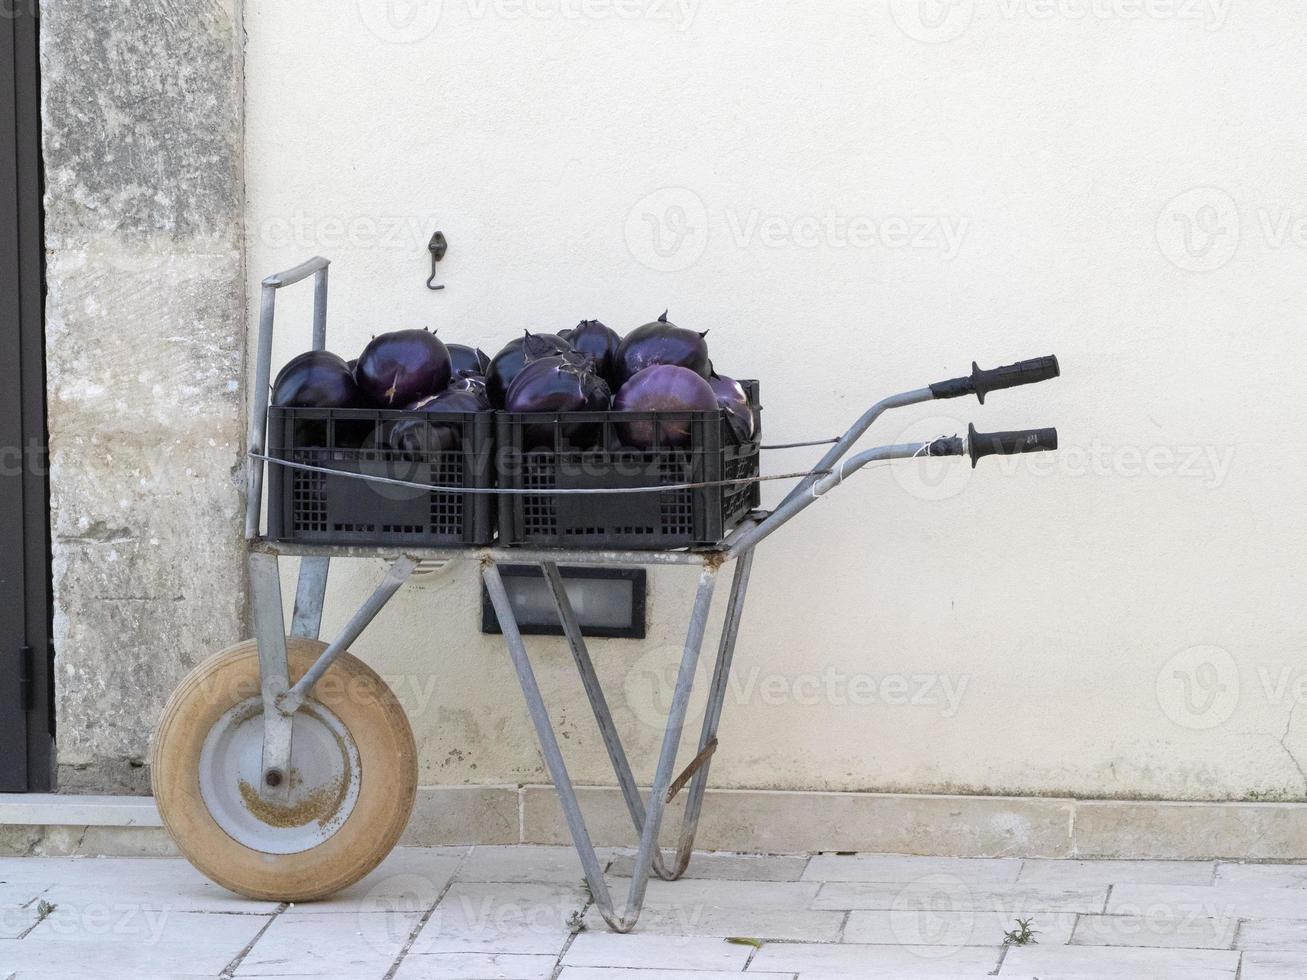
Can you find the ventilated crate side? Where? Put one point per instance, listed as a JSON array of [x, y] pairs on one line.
[[336, 509], [690, 517]]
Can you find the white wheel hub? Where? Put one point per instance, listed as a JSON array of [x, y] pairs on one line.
[[324, 779]]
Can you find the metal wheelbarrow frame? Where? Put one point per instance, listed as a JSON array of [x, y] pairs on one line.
[[281, 699]]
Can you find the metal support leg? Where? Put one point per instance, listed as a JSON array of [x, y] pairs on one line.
[[535, 705], [558, 768], [672, 738], [712, 716], [400, 569], [635, 805], [713, 711], [274, 675], [309, 596], [280, 699]]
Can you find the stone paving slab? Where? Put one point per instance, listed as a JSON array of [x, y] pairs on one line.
[[521, 918], [523, 913], [1079, 874], [607, 949], [1268, 875], [1215, 901], [1187, 932], [728, 866], [894, 867], [410, 879], [1111, 963], [757, 895], [1276, 935], [800, 925], [1273, 966], [931, 890], [120, 948], [477, 966], [348, 942], [155, 883], [951, 927], [856, 960]]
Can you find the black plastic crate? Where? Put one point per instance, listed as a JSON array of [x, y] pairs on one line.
[[600, 460], [322, 508]]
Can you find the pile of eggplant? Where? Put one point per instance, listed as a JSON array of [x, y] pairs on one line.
[[658, 367]]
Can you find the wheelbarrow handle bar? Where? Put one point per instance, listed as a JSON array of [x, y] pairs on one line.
[[316, 267], [980, 382], [301, 271], [981, 444], [749, 535], [846, 441], [976, 445]]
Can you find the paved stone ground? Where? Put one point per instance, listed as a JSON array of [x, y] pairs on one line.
[[522, 913]]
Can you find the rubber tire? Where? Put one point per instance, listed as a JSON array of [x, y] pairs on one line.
[[387, 784]]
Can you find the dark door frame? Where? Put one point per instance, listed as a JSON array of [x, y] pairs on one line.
[[26, 657]]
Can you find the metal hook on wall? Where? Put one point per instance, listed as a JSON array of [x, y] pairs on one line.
[[438, 246]]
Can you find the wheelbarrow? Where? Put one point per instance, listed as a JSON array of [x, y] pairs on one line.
[[284, 767]]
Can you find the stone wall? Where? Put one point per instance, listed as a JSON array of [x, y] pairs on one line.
[[145, 342]]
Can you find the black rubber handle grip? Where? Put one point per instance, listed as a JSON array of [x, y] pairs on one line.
[[980, 383], [981, 444]]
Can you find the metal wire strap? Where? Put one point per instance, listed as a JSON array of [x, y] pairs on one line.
[[841, 472], [505, 491], [802, 445]]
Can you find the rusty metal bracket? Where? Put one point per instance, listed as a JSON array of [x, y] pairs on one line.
[[680, 782]]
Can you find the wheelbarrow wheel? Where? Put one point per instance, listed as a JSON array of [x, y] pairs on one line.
[[353, 776]]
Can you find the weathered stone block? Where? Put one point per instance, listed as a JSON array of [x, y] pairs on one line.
[[145, 357]]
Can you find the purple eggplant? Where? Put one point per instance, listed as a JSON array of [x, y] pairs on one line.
[[315, 379], [661, 342], [600, 342], [467, 360], [505, 365], [474, 383], [662, 388], [565, 383], [429, 434], [402, 367], [734, 401]]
